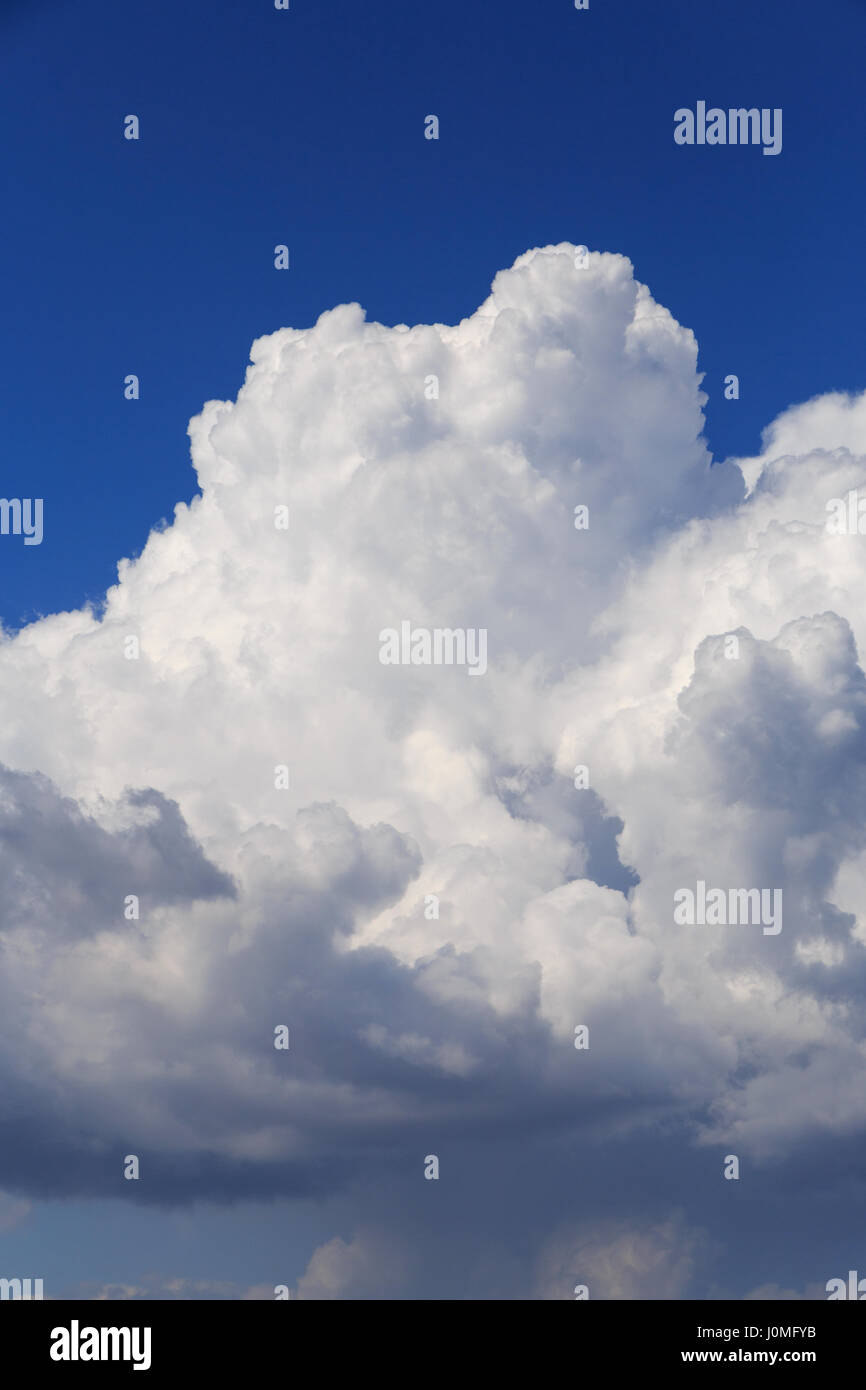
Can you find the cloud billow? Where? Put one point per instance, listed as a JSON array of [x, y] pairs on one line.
[[308, 902]]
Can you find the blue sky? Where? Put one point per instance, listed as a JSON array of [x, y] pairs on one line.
[[155, 257], [306, 128]]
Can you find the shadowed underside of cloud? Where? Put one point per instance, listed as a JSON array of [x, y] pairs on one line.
[[428, 898]]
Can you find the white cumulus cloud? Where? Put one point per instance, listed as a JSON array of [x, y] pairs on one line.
[[306, 906]]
